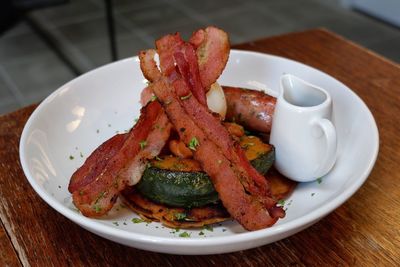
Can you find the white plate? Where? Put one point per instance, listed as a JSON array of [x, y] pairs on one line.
[[83, 113]]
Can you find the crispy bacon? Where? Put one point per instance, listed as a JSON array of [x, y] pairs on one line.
[[166, 47], [212, 49], [148, 65], [187, 64], [125, 167], [96, 162]]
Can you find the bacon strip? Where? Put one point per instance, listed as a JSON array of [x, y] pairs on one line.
[[148, 65], [188, 68], [166, 47], [212, 50], [96, 162], [125, 168]]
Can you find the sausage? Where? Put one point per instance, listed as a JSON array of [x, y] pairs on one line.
[[250, 108]]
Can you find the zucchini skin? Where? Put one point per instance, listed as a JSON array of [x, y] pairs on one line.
[[179, 184], [177, 188], [264, 162], [188, 189]]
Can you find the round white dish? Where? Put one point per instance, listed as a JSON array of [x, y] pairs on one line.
[[83, 113]]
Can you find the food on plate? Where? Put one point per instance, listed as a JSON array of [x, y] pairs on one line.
[[250, 108], [95, 187], [175, 217], [182, 157], [181, 182]]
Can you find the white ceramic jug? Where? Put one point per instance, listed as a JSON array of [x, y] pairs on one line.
[[302, 133]]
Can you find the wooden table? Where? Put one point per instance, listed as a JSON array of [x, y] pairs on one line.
[[363, 231]]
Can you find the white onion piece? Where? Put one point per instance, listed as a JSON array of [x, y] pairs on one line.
[[216, 100]]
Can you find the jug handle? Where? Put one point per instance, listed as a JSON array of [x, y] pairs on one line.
[[331, 145]]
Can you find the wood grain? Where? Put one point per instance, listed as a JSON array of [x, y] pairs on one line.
[[364, 231], [8, 257]]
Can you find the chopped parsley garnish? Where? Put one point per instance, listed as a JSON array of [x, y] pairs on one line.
[[312, 194], [143, 144], [193, 143], [281, 202], [319, 180], [137, 220], [158, 158], [71, 157], [180, 216], [153, 98], [81, 154], [201, 233], [186, 96], [184, 234], [116, 223], [96, 208], [208, 228]]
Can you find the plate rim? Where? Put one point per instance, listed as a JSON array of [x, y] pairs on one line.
[[194, 242]]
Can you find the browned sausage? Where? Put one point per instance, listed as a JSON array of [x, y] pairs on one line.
[[250, 108]]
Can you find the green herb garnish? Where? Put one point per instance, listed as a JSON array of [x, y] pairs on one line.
[[153, 98], [208, 228], [96, 208], [193, 143], [71, 157], [137, 220], [281, 202], [184, 234], [143, 144], [180, 216]]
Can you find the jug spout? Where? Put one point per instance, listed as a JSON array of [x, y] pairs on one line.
[[298, 92]]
